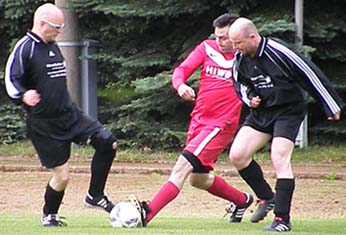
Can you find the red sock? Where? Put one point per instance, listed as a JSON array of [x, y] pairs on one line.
[[221, 188], [165, 195]]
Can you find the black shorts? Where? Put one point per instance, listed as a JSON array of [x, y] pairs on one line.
[[278, 122], [52, 137]]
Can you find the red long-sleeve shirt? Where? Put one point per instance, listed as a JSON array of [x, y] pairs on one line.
[[216, 102]]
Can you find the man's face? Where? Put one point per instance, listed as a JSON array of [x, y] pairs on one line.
[[222, 40], [241, 43], [52, 29], [246, 44]]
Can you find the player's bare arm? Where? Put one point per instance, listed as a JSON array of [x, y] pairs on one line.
[[31, 98], [186, 92]]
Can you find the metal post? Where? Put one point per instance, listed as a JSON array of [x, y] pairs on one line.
[[89, 78], [302, 138]]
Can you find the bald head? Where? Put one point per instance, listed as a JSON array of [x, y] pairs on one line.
[[244, 36], [243, 27], [48, 22], [48, 12]]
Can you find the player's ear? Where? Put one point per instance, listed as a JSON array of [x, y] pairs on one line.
[[252, 35]]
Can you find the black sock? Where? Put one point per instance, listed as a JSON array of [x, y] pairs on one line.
[[100, 167], [253, 176], [52, 200], [284, 192]]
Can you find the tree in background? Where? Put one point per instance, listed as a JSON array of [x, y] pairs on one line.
[[142, 41]]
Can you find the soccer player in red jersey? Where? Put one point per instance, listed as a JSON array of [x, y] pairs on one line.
[[214, 122]]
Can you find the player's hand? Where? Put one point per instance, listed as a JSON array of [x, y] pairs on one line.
[[255, 102], [186, 92], [31, 98], [334, 117]]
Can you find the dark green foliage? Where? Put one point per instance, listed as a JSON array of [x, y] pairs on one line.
[[147, 119], [328, 133], [142, 41], [12, 124]]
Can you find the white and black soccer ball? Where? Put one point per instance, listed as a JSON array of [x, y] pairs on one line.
[[125, 215]]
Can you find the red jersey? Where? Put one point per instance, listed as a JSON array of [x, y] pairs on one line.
[[217, 103]]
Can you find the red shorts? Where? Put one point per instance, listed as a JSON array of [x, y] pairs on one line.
[[207, 142]]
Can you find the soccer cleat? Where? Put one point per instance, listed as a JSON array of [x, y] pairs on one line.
[[101, 202], [52, 220], [278, 225], [142, 207], [237, 212], [264, 206]]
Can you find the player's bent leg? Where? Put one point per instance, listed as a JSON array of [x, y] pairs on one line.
[[217, 186], [246, 143], [167, 193], [171, 189], [104, 143]]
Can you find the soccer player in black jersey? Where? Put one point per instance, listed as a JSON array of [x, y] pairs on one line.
[[271, 79], [35, 78]]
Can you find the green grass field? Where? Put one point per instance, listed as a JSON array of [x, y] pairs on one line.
[[327, 191], [28, 224]]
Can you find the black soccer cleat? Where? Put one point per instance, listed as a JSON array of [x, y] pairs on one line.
[[53, 220], [278, 225], [264, 207], [101, 202], [237, 212], [142, 207]]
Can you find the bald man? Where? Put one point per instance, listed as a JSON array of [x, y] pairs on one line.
[[35, 78], [271, 79]]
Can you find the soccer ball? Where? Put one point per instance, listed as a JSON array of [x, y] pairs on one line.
[[125, 215]]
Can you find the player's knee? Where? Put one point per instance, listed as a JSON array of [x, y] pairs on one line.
[[201, 180], [195, 162], [197, 182], [282, 165], [194, 183], [237, 159], [60, 181], [104, 141], [65, 179]]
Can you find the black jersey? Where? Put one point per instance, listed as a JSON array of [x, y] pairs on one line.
[[279, 76], [36, 65]]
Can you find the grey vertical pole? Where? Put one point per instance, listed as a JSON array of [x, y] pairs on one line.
[[302, 138], [88, 74], [89, 78]]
